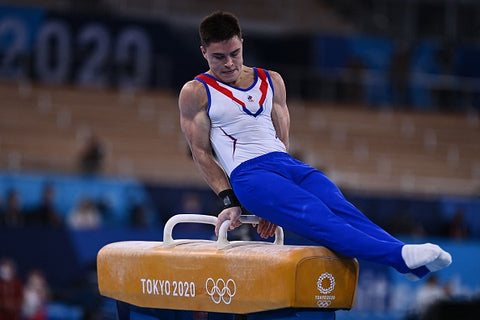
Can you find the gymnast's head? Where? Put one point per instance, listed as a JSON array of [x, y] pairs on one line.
[[222, 46], [219, 26]]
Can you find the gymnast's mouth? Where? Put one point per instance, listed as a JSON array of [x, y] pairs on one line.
[[229, 72]]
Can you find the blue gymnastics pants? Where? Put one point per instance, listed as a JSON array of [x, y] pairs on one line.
[[303, 200]]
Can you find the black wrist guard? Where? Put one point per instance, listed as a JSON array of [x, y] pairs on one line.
[[229, 199]]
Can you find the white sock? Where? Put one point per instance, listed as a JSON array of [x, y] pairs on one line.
[[442, 261], [429, 255]]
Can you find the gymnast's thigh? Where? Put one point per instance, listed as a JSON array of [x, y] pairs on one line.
[[277, 198]]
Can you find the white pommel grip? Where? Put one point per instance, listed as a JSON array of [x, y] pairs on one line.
[[168, 240], [222, 242]]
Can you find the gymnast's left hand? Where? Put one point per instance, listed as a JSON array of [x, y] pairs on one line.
[[266, 228], [232, 214]]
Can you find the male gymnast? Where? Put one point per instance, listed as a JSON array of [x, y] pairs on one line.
[[236, 121]]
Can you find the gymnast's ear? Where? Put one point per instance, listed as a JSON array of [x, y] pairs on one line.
[[204, 51]]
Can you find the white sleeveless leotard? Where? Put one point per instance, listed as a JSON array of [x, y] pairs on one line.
[[241, 123]]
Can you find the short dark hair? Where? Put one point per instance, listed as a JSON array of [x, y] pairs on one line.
[[219, 26]]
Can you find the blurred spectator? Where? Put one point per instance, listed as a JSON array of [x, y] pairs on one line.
[[46, 214], [85, 216], [399, 75], [35, 297], [191, 203], [13, 215], [404, 222], [141, 212], [458, 226], [138, 216], [91, 158], [352, 90], [104, 205], [446, 97], [429, 295], [11, 291]]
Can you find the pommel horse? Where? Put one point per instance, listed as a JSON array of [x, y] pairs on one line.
[[257, 279]]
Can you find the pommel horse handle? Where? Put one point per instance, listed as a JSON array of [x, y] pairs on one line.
[[222, 242]]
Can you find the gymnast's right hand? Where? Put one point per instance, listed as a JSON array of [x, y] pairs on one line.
[[232, 214]]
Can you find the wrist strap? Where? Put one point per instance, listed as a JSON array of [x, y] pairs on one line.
[[229, 199]]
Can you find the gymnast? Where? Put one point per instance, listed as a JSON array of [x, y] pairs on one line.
[[236, 121]]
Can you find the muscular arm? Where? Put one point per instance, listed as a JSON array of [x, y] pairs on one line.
[[195, 126], [280, 114]]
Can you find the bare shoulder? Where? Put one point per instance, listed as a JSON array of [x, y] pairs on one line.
[[193, 90], [279, 86], [193, 96], [275, 76]]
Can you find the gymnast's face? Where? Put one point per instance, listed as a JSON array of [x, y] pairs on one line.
[[225, 59]]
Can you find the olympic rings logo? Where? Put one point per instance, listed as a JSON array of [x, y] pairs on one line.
[[323, 276], [324, 303], [220, 290]]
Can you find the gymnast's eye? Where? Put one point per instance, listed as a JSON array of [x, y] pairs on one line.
[[235, 53], [219, 56]]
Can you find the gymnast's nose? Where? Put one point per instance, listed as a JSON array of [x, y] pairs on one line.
[[229, 62]]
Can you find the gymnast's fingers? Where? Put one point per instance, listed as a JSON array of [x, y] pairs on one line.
[[265, 228], [232, 214]]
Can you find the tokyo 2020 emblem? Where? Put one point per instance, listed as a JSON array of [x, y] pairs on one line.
[[328, 286]]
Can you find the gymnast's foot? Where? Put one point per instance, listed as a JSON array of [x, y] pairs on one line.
[[424, 258]]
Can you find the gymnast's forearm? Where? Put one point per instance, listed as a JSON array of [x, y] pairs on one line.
[[211, 171]]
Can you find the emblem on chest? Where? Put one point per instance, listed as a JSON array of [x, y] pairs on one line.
[[252, 107]]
